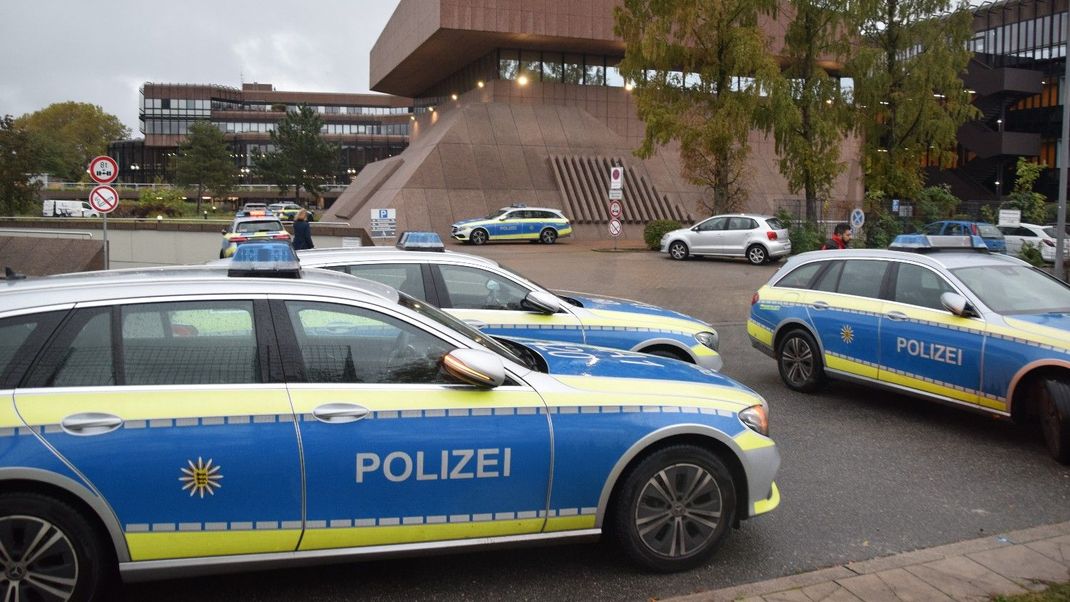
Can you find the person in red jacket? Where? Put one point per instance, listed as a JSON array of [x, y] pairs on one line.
[[841, 238]]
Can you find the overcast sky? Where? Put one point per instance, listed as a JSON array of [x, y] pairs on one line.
[[102, 51]]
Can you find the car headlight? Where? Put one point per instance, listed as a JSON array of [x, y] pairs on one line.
[[756, 418], [709, 339]]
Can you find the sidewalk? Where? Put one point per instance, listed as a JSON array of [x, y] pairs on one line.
[[979, 569]]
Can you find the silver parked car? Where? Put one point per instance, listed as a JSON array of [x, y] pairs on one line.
[[759, 238]]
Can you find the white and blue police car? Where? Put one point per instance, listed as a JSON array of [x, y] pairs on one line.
[[174, 421], [936, 317], [516, 222]]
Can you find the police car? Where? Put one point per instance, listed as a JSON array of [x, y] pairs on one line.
[[517, 222], [938, 317], [175, 421], [501, 302], [252, 228]]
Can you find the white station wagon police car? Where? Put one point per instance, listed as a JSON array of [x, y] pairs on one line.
[[181, 420], [518, 222], [948, 322]]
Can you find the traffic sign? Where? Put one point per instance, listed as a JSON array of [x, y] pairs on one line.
[[858, 218], [615, 209], [104, 199], [616, 194], [616, 178], [614, 228], [103, 170]]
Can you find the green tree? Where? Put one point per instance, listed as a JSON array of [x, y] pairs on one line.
[[204, 161], [934, 203], [69, 134], [712, 110], [302, 158], [809, 115], [18, 190], [1033, 205], [908, 90]]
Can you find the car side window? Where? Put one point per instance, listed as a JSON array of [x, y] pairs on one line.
[[21, 338], [1022, 231], [406, 277], [934, 229], [920, 286], [802, 276], [195, 342], [862, 278], [830, 280], [717, 223], [741, 223], [956, 230], [81, 355], [343, 344], [472, 288]]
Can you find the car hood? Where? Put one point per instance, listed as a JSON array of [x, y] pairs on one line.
[[1055, 325], [603, 303], [574, 359]]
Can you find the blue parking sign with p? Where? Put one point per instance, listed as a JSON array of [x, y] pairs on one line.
[[384, 214]]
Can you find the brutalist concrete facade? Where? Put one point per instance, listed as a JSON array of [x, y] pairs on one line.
[[484, 137]]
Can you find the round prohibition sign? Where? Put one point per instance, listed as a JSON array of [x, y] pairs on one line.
[[614, 227], [104, 199], [103, 169], [615, 210]]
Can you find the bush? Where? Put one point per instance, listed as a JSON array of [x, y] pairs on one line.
[[805, 235], [1031, 254], [656, 229]]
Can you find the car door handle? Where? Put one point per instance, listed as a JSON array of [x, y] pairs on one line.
[[819, 305], [340, 413], [90, 423], [897, 315], [477, 324]]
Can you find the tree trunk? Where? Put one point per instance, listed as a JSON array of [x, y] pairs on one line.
[[200, 193]]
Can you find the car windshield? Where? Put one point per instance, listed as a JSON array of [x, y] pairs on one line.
[[1016, 289], [989, 231], [265, 226], [424, 309], [496, 214]]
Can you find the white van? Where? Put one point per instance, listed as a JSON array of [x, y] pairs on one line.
[[53, 208]]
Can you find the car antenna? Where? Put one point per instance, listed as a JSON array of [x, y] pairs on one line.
[[10, 274]]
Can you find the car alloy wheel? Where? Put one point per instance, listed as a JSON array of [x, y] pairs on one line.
[[478, 237], [799, 361], [1053, 402], [757, 255], [37, 560], [678, 250], [548, 236]]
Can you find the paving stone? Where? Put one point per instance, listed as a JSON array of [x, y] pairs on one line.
[[896, 585], [762, 588], [792, 595], [829, 592], [1058, 549], [1037, 533], [1024, 566], [964, 579]]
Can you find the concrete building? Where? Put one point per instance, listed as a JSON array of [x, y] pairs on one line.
[[368, 127], [519, 101]]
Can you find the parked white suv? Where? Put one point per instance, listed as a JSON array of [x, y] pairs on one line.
[[759, 238]]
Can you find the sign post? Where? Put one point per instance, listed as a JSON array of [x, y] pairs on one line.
[[616, 194], [104, 170]]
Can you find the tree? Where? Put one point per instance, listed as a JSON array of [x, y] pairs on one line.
[[69, 134], [18, 190], [808, 112], [1033, 205], [908, 90], [302, 158], [700, 68], [204, 161]]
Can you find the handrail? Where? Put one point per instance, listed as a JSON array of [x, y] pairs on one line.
[[48, 233], [155, 186]]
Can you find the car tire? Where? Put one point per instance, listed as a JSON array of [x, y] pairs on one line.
[[669, 353], [222, 254], [478, 237], [548, 236], [1054, 409], [799, 361], [75, 562], [663, 521], [757, 255], [678, 250]]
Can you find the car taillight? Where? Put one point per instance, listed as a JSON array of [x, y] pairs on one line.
[[754, 299], [973, 229], [239, 238], [283, 236], [770, 235]]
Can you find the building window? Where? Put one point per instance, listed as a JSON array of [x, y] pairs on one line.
[[594, 70], [551, 66]]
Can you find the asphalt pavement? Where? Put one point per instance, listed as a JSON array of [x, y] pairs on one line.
[[865, 474]]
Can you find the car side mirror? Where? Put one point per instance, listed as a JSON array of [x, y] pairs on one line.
[[958, 305], [475, 367], [502, 218], [542, 302]]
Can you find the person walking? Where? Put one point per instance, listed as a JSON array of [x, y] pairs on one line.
[[302, 232], [841, 238]]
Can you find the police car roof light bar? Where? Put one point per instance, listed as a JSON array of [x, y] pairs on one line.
[[269, 258], [420, 241], [920, 243]]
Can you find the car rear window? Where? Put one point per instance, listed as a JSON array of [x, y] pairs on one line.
[[989, 231], [775, 224], [264, 226]]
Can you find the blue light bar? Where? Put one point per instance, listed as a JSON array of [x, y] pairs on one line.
[[268, 258], [420, 241], [921, 243]]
